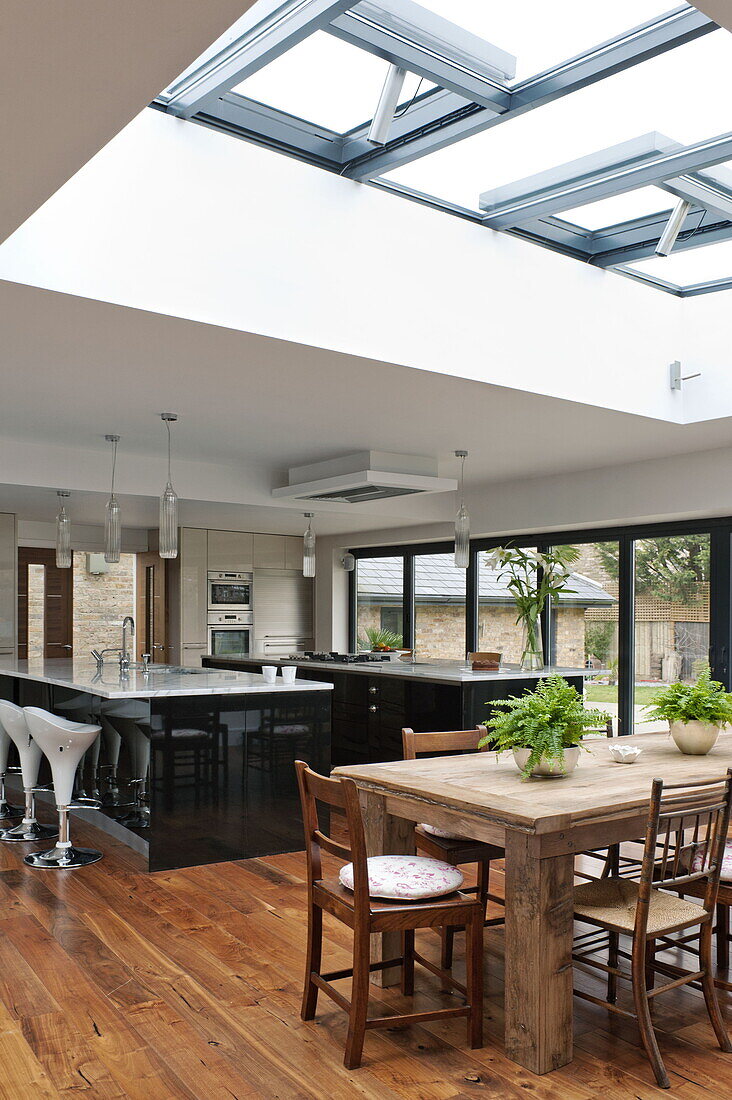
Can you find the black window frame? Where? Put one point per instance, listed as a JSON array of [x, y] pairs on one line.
[[720, 588]]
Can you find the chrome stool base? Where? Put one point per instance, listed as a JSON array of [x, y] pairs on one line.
[[58, 859], [30, 831], [8, 811], [140, 819]]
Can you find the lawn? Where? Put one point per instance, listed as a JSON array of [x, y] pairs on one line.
[[607, 693]]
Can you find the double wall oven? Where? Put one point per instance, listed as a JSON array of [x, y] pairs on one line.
[[230, 614]]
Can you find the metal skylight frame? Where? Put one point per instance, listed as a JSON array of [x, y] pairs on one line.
[[443, 116]]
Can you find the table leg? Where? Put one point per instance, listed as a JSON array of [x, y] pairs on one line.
[[385, 836], [539, 927]]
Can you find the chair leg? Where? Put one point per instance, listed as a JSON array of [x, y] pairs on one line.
[[447, 934], [312, 961], [359, 999], [650, 964], [408, 963], [643, 1012], [723, 936], [612, 960], [710, 991], [474, 967]]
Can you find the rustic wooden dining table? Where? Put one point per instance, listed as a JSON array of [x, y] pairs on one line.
[[542, 824]]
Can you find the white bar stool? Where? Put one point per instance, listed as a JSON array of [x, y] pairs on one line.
[[12, 721], [6, 810], [63, 743]]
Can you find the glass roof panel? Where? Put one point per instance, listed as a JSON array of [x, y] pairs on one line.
[[662, 94], [541, 34], [325, 81], [695, 265], [620, 208]]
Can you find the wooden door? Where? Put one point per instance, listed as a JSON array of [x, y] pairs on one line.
[[48, 593], [150, 612]]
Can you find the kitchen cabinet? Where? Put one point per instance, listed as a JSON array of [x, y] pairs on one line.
[[269, 552], [193, 594], [293, 552], [231, 551], [8, 583]]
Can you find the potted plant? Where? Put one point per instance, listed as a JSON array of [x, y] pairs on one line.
[[543, 728], [377, 640], [695, 713], [533, 578]]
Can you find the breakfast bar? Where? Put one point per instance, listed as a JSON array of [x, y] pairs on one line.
[[201, 760]]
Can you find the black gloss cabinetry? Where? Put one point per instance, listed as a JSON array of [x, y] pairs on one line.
[[369, 711]]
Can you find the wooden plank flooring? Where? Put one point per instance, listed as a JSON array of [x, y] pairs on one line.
[[187, 984]]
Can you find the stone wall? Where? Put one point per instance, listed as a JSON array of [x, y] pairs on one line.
[[36, 611], [440, 631], [101, 603]]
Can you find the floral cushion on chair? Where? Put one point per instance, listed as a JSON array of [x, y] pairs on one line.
[[444, 833], [697, 862], [408, 878]]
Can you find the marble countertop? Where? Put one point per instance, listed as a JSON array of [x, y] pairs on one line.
[[163, 680], [446, 672]]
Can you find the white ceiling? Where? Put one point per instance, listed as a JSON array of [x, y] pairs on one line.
[[73, 74], [251, 406]]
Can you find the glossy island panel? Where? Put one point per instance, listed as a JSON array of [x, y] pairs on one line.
[[218, 781], [370, 709]]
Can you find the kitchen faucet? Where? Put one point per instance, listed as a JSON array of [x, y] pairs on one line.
[[124, 657]]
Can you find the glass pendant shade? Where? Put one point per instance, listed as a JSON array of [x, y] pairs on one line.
[[168, 547], [308, 549], [168, 527], [113, 517], [462, 521], [462, 538], [63, 536], [112, 530]]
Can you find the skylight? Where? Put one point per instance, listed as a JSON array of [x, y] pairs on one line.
[[574, 124], [691, 267]]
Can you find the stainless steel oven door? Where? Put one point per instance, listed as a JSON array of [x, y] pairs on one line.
[[230, 635], [230, 591]]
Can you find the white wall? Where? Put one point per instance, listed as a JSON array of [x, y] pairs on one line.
[[173, 218]]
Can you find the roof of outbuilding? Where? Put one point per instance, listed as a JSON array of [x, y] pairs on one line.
[[437, 579]]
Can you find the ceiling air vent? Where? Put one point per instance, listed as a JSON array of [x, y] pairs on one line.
[[364, 477]]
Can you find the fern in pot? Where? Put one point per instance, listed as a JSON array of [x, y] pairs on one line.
[[543, 728], [696, 713]]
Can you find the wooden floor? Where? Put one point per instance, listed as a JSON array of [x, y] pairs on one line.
[[187, 984]]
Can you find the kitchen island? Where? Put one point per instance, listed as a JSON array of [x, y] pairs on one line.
[[374, 699], [210, 751]]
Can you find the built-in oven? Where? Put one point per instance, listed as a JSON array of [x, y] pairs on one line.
[[230, 592], [230, 634]]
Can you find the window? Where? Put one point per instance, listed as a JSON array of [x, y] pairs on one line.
[[671, 617], [498, 631], [690, 267], [325, 81], [392, 620], [379, 591], [496, 96], [584, 626], [439, 607], [658, 95]]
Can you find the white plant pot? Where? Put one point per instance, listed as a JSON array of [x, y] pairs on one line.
[[548, 769], [694, 738]]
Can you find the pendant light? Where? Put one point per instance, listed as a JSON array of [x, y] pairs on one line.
[[168, 541], [113, 519], [63, 532], [308, 547], [462, 520]]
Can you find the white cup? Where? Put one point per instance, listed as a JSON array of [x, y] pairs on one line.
[[289, 672], [270, 673]]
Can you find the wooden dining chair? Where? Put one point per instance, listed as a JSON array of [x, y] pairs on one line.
[[689, 821], [364, 913], [448, 846]]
